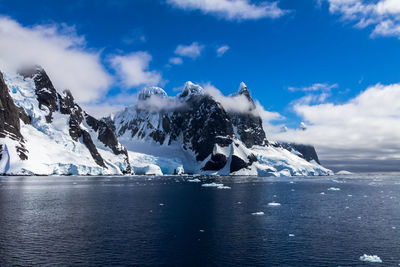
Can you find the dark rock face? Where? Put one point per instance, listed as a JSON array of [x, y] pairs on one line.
[[9, 119], [216, 163], [249, 125], [87, 140], [238, 163], [107, 136], [199, 126], [52, 101], [307, 151], [45, 91]]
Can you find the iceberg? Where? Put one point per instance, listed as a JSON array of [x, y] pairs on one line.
[[370, 258]]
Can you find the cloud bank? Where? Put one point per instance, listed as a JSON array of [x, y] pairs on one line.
[[60, 51], [232, 10], [364, 129]]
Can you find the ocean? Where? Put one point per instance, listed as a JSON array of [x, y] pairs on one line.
[[175, 220]]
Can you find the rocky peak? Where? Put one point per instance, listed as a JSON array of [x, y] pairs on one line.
[[244, 90], [45, 91], [191, 89], [150, 91]]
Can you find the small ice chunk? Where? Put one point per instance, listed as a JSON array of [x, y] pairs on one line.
[[292, 190], [322, 193], [223, 187], [370, 258], [349, 195], [161, 204], [195, 180], [274, 204], [212, 185], [291, 235], [258, 213], [334, 189], [201, 231]]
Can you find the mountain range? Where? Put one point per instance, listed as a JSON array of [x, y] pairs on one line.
[[45, 132]]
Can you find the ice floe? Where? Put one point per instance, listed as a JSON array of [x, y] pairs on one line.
[[195, 180], [218, 186], [258, 213], [274, 204], [212, 185], [370, 258], [334, 189]]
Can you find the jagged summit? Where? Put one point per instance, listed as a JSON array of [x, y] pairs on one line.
[[242, 88], [191, 89], [58, 136], [147, 92]]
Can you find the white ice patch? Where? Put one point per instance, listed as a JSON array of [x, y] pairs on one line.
[[212, 185], [370, 258], [274, 204], [334, 189], [195, 180], [258, 213], [224, 187]]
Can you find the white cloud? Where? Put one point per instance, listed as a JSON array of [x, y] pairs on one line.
[[316, 93], [222, 50], [240, 104], [176, 61], [193, 50], [111, 105], [315, 87], [364, 129], [237, 10], [60, 51], [382, 15], [133, 70]]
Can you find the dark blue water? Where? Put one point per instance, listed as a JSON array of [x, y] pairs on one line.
[[107, 221]]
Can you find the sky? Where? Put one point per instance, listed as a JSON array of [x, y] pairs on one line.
[[332, 64]]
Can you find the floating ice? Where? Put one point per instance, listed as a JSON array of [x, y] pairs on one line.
[[274, 204], [370, 258], [258, 213], [195, 180], [334, 189], [322, 193], [161, 204], [212, 185], [291, 235], [223, 187], [344, 172]]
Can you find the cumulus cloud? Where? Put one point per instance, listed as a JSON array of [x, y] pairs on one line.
[[364, 129], [382, 15], [222, 50], [240, 104], [133, 70], [176, 61], [192, 51], [236, 10], [60, 51]]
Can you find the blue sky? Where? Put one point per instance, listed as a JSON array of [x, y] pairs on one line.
[[330, 51]]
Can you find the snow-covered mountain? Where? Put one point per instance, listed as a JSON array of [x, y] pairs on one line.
[[197, 131], [45, 132]]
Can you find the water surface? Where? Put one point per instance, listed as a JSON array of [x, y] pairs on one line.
[[93, 221]]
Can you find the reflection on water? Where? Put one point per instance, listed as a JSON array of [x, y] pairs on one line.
[[167, 220]]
